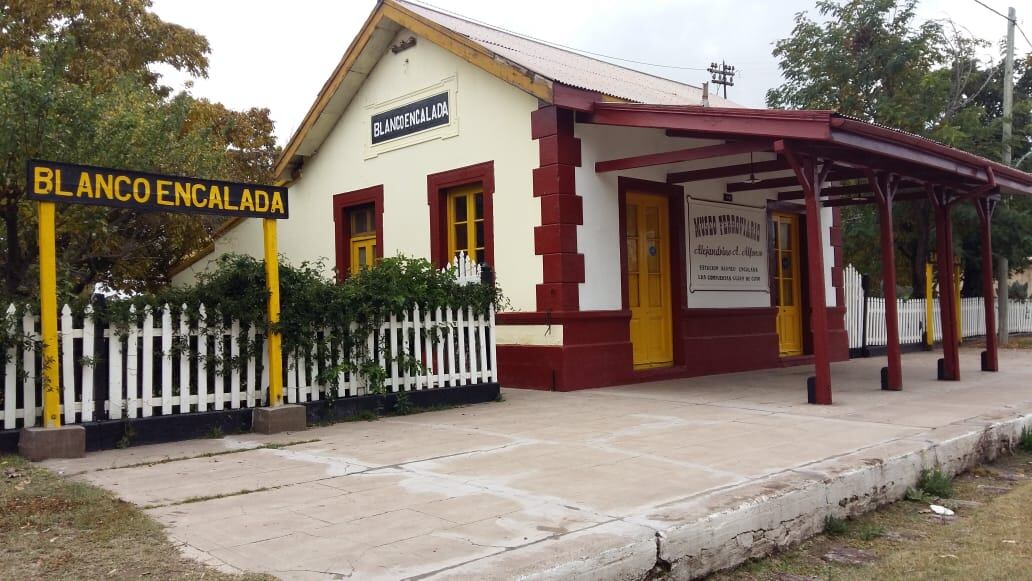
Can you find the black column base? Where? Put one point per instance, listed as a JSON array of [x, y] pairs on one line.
[[942, 375], [985, 362], [811, 389]]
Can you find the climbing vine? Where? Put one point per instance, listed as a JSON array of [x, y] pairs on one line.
[[320, 317]]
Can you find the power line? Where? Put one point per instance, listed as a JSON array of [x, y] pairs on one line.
[[1005, 17]]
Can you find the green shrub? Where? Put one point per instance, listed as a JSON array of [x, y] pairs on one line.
[[1025, 441], [935, 483], [835, 526], [870, 531], [318, 313]]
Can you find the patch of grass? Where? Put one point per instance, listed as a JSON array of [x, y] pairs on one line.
[[869, 531], [367, 416], [835, 526], [215, 432], [986, 540], [935, 483], [500, 398], [1025, 441], [55, 528], [403, 405]]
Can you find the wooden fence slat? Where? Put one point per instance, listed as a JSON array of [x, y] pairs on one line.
[[65, 341], [417, 346], [472, 332], [116, 356], [202, 359], [460, 328], [131, 370], [250, 367], [450, 344], [493, 346], [482, 341], [428, 350], [441, 333], [29, 369], [219, 365], [264, 385], [89, 363], [234, 367], [185, 404], [166, 361], [393, 330], [11, 375], [147, 387]]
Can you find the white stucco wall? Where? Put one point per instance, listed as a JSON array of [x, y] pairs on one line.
[[598, 238], [493, 124]]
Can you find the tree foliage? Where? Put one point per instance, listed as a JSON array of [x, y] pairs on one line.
[[75, 86], [873, 60]]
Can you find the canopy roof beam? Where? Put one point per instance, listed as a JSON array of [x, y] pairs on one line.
[[680, 155]]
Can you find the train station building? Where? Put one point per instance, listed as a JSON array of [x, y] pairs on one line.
[[639, 228]]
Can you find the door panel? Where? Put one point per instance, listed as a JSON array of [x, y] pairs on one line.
[[648, 279], [787, 290]]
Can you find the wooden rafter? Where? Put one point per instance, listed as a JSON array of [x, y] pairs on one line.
[[727, 171], [679, 155]]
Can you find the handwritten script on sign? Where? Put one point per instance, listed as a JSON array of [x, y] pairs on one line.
[[80, 184], [727, 247]]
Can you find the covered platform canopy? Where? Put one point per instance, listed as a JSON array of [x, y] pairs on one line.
[[835, 160]]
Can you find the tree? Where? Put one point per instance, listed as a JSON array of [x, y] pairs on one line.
[[873, 61], [70, 92]]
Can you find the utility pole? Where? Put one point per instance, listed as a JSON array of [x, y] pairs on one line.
[[1008, 85], [725, 74]]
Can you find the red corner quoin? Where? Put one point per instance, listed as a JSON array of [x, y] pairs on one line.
[[555, 240]]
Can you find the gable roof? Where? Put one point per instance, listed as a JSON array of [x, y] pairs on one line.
[[531, 65]]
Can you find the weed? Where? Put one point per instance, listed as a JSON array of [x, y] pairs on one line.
[[403, 405], [367, 416], [870, 531], [916, 495], [128, 433], [1025, 442], [835, 526], [215, 432], [935, 483], [500, 398]]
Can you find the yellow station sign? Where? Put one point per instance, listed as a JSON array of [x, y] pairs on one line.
[[61, 182]]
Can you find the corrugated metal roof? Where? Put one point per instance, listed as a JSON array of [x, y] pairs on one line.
[[568, 67]]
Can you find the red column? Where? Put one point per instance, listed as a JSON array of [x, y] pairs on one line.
[[555, 240], [818, 300], [990, 357], [950, 366], [893, 380]]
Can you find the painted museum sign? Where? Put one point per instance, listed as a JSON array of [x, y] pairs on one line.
[[727, 247], [50, 181], [410, 118]]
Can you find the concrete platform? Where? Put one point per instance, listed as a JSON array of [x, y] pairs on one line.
[[691, 475]]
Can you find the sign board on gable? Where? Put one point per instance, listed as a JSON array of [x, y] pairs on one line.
[[80, 184], [727, 247], [411, 118]]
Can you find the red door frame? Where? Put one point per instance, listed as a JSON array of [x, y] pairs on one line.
[[678, 281]]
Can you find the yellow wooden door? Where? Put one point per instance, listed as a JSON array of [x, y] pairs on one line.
[[788, 297], [648, 279]]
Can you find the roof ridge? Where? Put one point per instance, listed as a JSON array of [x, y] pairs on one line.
[[550, 44]]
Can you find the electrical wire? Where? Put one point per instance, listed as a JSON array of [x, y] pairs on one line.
[[1005, 17]]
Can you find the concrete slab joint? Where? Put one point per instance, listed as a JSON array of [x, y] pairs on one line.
[[37, 444], [284, 418]]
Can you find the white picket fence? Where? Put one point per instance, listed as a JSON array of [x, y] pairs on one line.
[[167, 365], [912, 315]]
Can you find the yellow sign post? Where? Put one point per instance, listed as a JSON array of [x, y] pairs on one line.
[[275, 338], [48, 315], [50, 182], [929, 311]]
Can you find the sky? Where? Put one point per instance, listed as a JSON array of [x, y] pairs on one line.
[[278, 54]]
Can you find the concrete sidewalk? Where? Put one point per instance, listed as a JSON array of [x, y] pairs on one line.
[[685, 475]]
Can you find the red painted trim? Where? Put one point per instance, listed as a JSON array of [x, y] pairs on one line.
[[680, 155], [574, 98], [560, 209], [727, 171], [437, 186], [342, 225], [560, 148], [717, 121]]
